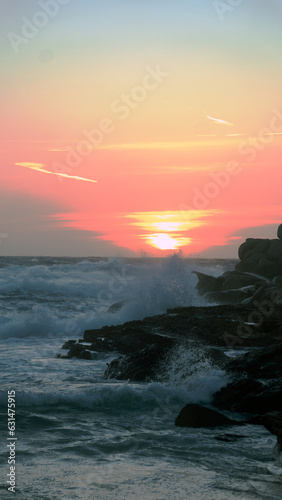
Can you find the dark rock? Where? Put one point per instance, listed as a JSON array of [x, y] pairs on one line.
[[267, 292], [194, 415], [77, 350], [269, 399], [85, 355], [260, 263], [129, 337], [142, 365], [263, 363], [226, 325], [232, 287], [229, 438], [261, 389], [116, 306], [234, 280], [230, 280], [263, 257], [248, 246], [207, 324], [208, 283], [272, 422], [228, 396], [68, 344], [228, 296], [249, 395], [217, 357]]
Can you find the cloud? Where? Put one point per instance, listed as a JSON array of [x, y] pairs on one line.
[[39, 168], [217, 121], [28, 227]]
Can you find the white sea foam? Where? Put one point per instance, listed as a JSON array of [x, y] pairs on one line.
[[99, 438], [122, 396], [44, 297]]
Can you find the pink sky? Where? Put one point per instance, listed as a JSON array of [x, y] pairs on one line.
[[121, 137]]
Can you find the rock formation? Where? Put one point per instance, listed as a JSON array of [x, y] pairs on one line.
[[257, 276], [194, 415], [250, 318]]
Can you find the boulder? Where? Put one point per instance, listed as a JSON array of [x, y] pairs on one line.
[[140, 366], [230, 280], [126, 338], [195, 415], [208, 283], [255, 276], [259, 388], [76, 350], [262, 363], [227, 397], [261, 256], [246, 249], [229, 296], [250, 395], [68, 344], [273, 423], [117, 306]]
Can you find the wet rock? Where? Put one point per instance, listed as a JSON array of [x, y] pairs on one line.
[[117, 306], [217, 357], [68, 344], [194, 415], [263, 363], [76, 350], [230, 280], [229, 438], [208, 283], [255, 277], [250, 396], [273, 423], [247, 248], [227, 397], [259, 388], [139, 366], [229, 296], [268, 292], [129, 337], [226, 325], [232, 287], [261, 256]]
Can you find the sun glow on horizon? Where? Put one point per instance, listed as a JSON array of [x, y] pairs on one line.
[[166, 242], [177, 223]]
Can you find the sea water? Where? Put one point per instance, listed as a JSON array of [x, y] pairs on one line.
[[81, 436]]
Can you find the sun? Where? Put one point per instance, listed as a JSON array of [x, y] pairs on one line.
[[165, 242]]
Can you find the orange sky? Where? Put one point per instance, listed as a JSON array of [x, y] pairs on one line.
[[121, 137]]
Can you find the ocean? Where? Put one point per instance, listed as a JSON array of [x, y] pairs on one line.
[[78, 435]]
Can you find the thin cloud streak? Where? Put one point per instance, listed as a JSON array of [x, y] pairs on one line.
[[38, 168], [219, 122]]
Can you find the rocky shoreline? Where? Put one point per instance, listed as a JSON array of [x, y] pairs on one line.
[[249, 319]]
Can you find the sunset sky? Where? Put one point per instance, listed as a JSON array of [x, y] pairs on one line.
[[132, 126]]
